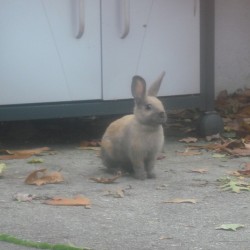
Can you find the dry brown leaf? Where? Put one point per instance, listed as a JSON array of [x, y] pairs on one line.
[[246, 139], [247, 145], [165, 238], [41, 177], [247, 166], [105, 180], [189, 152], [244, 112], [21, 154], [162, 187], [212, 146], [188, 139], [118, 193], [213, 137], [222, 96], [90, 148], [246, 142], [234, 173], [84, 143], [161, 157], [238, 151], [90, 143], [76, 201], [246, 170], [233, 147], [199, 170], [179, 200], [245, 125]]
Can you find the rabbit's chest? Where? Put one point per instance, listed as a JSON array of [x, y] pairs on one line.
[[148, 141]]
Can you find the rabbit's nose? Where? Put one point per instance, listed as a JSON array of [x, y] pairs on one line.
[[162, 115]]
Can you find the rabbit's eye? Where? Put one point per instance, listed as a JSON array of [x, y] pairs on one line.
[[148, 106]]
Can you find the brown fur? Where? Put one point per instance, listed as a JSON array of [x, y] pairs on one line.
[[132, 142]]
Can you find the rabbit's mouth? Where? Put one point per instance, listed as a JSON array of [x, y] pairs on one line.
[[162, 117], [157, 119]]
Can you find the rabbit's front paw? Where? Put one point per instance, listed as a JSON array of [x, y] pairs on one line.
[[140, 174], [151, 175]]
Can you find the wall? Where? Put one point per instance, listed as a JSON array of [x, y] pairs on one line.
[[232, 45]]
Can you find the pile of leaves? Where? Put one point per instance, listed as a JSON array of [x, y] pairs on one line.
[[233, 108], [235, 111], [235, 148], [184, 120]]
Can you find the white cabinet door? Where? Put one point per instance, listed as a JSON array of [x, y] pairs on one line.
[[163, 35], [41, 59]]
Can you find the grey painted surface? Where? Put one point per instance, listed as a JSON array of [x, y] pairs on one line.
[[232, 44]]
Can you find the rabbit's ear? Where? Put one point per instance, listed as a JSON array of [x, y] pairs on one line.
[[138, 88], [155, 86]]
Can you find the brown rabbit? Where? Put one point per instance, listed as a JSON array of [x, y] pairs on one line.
[[132, 142]]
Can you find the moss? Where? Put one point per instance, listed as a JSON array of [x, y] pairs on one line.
[[39, 245]]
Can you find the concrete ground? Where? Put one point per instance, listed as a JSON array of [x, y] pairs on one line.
[[140, 220]]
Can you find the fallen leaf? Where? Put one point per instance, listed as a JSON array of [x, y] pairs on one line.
[[90, 148], [230, 227], [189, 152], [161, 157], [247, 139], [234, 173], [247, 166], [238, 151], [105, 180], [233, 147], [179, 200], [199, 170], [21, 154], [90, 143], [52, 153], [212, 146], [233, 185], [229, 134], [41, 177], [199, 183], [175, 125], [2, 167], [76, 201], [162, 187], [220, 147], [244, 112], [165, 238], [188, 139], [213, 137], [23, 197], [218, 155], [244, 172], [233, 126], [247, 145], [35, 161], [118, 193]]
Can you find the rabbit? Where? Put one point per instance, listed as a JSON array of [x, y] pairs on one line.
[[132, 142]]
